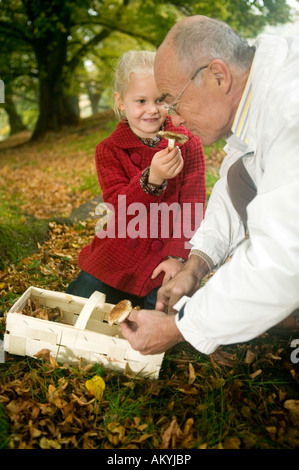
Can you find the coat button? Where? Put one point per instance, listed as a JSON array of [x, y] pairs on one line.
[[132, 243], [157, 245], [136, 158]]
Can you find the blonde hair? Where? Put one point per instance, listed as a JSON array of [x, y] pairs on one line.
[[131, 62]]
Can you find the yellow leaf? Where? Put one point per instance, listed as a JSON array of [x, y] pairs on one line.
[[192, 375], [250, 357], [116, 433], [96, 386], [232, 443], [293, 407], [255, 374], [49, 444]]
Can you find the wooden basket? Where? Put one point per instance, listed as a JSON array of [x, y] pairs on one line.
[[84, 333]]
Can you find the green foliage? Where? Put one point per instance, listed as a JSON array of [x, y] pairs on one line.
[[247, 17], [4, 428], [52, 39]]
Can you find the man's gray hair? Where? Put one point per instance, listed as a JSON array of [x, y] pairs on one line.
[[199, 40]]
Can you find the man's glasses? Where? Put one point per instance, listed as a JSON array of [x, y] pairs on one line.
[[171, 109]]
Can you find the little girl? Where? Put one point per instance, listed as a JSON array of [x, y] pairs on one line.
[[134, 167]]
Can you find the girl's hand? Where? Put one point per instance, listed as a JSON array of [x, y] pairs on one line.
[[170, 266], [165, 165]]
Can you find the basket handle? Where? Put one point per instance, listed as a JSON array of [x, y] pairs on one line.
[[97, 299]]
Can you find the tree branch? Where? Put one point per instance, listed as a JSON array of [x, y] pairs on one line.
[[14, 31], [95, 40], [113, 27]]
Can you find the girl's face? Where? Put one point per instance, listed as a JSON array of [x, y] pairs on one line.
[[144, 111]]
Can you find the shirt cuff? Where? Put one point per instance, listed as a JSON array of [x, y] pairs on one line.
[[204, 256]]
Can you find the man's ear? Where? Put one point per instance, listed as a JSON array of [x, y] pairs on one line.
[[118, 101], [221, 74]]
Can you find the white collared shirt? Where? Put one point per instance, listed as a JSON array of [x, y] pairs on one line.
[[259, 286]]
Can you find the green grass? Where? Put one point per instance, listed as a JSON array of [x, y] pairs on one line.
[[89, 183], [4, 428], [10, 206]]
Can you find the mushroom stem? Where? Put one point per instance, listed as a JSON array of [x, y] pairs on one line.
[[171, 144]]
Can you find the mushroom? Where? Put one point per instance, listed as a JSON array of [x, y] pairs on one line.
[[120, 312], [173, 137]]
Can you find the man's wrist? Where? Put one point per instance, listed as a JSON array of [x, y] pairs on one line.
[[174, 331], [197, 267], [205, 259]]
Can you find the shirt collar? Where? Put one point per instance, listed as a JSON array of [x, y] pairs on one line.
[[240, 124]]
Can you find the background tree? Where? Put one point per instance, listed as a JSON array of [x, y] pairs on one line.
[[60, 32], [57, 36]]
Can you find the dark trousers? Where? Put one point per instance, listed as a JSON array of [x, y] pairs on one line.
[[86, 284]]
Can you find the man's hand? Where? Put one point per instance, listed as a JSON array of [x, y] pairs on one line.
[[186, 282], [151, 332]]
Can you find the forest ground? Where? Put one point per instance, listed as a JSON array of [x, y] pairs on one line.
[[243, 396]]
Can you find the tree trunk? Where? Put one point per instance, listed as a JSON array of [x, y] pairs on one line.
[[94, 101], [73, 104], [55, 110], [15, 122]]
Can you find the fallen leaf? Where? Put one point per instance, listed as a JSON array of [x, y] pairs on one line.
[[272, 356], [188, 390], [188, 425], [282, 394], [223, 358], [255, 374], [293, 407], [128, 372], [272, 430], [192, 376], [96, 386], [54, 396], [34, 432], [45, 443], [250, 357], [232, 443], [45, 354], [172, 434], [116, 433]]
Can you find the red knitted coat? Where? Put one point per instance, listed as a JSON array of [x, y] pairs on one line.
[[127, 261]]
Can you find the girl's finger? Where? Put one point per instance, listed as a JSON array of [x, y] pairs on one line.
[[176, 167], [175, 153]]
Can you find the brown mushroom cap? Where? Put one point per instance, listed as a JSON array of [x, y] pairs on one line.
[[180, 138], [120, 312]]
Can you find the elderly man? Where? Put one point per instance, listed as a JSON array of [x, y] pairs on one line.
[[218, 86]]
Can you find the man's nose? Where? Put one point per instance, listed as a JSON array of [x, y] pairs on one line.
[[177, 120]]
